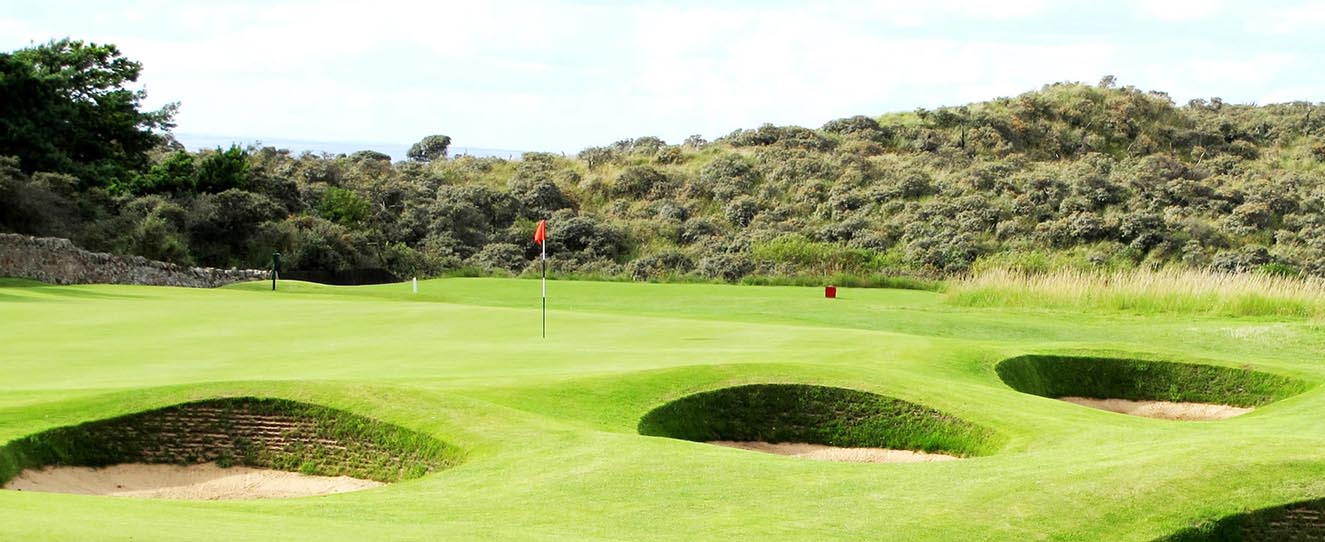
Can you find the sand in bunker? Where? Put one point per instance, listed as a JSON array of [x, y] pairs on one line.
[[1162, 409], [205, 481], [833, 453]]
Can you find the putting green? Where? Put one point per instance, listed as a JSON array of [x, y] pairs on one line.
[[549, 426]]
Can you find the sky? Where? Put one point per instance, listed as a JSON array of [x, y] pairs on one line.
[[560, 76]]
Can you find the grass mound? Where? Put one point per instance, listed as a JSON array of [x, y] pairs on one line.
[[1303, 521], [267, 433], [1140, 380], [816, 415]]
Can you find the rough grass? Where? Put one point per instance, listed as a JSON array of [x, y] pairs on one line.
[[1141, 291], [816, 415], [335, 443], [1112, 378]]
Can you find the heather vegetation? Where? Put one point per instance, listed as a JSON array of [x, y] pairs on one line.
[[1071, 176]]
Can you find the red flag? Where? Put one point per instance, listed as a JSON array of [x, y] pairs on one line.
[[540, 234]]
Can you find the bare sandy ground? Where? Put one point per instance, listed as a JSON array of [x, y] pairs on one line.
[[205, 482], [820, 452], [1162, 409]]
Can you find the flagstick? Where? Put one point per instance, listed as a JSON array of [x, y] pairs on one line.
[[544, 260]]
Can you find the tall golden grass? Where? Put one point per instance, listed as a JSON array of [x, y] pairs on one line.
[[1145, 291]]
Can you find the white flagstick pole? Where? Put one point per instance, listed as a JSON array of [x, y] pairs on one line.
[[544, 245]]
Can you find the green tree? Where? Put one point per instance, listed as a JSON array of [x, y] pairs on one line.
[[429, 148], [64, 107], [370, 155], [30, 208], [223, 171], [222, 227], [343, 207], [175, 174]]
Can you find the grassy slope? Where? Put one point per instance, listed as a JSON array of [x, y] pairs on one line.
[[549, 425]]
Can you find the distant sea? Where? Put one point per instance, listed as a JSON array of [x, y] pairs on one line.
[[396, 151]]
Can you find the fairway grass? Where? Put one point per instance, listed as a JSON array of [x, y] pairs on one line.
[[550, 427]]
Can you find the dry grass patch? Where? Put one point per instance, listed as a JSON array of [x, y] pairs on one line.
[[1168, 290]]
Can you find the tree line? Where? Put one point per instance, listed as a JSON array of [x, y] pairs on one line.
[[1090, 176]]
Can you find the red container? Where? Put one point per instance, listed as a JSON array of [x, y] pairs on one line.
[[830, 292]]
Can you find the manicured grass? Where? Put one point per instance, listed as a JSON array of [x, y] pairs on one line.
[[550, 427]]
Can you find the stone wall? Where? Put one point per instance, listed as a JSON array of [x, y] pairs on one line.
[[59, 261]]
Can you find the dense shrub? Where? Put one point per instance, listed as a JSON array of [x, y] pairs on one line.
[[859, 126], [660, 266], [728, 266], [586, 235], [642, 182], [727, 176], [504, 257], [1109, 176], [784, 136]]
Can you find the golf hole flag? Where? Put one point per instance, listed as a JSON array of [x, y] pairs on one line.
[[540, 237]]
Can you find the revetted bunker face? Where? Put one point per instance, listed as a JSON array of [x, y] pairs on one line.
[[1140, 380], [266, 433], [1304, 521], [817, 415]]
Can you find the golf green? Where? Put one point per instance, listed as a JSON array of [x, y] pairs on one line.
[[543, 434]]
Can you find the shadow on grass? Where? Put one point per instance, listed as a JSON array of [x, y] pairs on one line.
[[1304, 520]]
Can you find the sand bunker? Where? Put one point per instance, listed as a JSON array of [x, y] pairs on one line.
[[819, 422], [205, 481], [276, 448], [1162, 409], [820, 452], [1149, 388]]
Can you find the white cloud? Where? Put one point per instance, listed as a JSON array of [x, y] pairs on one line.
[[914, 14], [1176, 11], [1004, 10], [1288, 20], [539, 75], [786, 67]]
